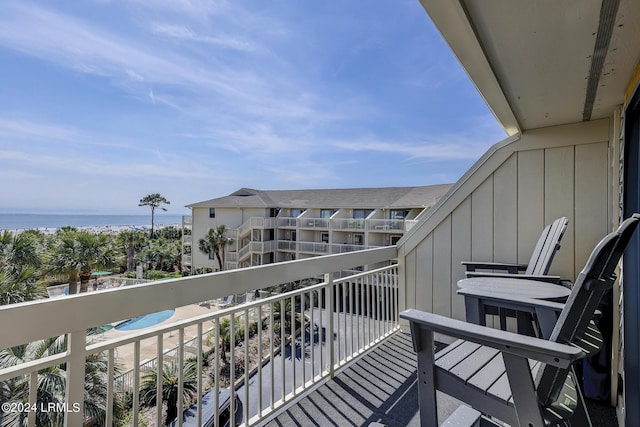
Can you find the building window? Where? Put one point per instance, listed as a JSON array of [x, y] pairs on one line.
[[396, 214], [325, 237], [212, 212], [296, 213], [326, 213], [358, 239], [361, 213], [212, 255]]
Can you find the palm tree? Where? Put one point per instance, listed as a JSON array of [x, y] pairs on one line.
[[154, 201], [77, 253], [63, 257], [224, 339], [96, 251], [20, 286], [215, 241], [131, 242], [52, 382], [18, 250], [170, 383]]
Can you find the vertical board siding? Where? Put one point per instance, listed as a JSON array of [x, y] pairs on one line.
[[482, 222], [559, 193], [424, 275], [550, 175], [505, 211], [530, 201], [460, 251], [412, 284], [442, 268], [591, 212]]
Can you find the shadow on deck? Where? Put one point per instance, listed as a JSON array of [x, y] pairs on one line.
[[380, 387]]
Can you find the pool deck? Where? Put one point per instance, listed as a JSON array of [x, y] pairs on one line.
[[148, 347]]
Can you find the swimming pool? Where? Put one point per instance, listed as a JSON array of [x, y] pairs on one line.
[[145, 321]]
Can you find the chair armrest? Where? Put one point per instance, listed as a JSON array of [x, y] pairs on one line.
[[513, 302], [538, 277], [511, 268], [552, 353]]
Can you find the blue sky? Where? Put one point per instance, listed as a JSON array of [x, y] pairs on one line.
[[103, 102]]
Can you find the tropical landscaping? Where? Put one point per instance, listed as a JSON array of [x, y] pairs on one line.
[[30, 261]]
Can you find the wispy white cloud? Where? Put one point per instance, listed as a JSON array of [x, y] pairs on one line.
[[28, 128], [179, 32], [79, 165], [69, 41], [429, 150], [202, 96]]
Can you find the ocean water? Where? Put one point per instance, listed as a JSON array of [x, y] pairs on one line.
[[22, 221]]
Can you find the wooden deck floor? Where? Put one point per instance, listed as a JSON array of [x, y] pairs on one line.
[[380, 387]]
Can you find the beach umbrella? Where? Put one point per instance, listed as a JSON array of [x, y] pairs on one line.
[[100, 273]]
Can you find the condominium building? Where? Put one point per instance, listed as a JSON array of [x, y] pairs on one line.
[[267, 226]]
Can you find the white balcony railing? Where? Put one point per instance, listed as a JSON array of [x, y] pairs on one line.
[[325, 326], [287, 245], [287, 222], [409, 223], [314, 247], [255, 222], [348, 224], [322, 223], [386, 225]]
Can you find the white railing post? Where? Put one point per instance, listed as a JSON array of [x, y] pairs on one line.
[[159, 377], [33, 397], [328, 277], [110, 386], [76, 348]]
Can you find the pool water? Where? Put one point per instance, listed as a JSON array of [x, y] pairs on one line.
[[145, 321]]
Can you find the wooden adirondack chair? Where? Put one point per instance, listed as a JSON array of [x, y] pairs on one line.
[[539, 263], [517, 379]]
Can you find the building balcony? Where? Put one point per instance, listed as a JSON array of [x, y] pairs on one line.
[[348, 224], [287, 222], [318, 248], [325, 327], [314, 223], [386, 225]]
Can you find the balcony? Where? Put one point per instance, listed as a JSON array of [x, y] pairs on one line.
[[348, 224], [314, 223], [386, 225], [322, 328]]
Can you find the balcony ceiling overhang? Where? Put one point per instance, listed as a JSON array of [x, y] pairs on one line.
[[545, 62]]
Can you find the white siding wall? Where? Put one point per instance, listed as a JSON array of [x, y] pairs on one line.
[[498, 209]]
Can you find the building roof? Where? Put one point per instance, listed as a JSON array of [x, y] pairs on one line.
[[388, 197]]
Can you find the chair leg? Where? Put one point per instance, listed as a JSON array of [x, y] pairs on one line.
[[523, 391], [580, 417], [426, 380]]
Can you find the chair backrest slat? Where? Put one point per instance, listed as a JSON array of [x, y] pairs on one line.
[[547, 246], [596, 278]]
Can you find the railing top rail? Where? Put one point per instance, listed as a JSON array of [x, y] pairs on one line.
[[33, 365], [79, 312]]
